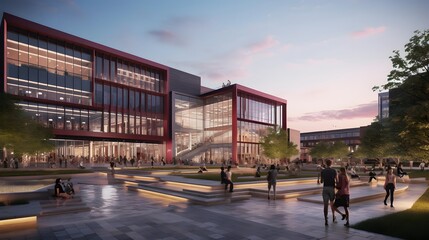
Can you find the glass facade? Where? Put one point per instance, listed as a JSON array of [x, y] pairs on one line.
[[188, 138], [126, 73], [255, 116], [119, 103], [218, 127], [43, 68], [100, 151], [65, 88]]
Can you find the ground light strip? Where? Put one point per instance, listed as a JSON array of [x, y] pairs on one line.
[[163, 195], [18, 220], [194, 186]]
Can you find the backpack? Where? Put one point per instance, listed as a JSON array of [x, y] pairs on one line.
[[269, 176]]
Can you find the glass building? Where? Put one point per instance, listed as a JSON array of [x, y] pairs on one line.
[[101, 102]]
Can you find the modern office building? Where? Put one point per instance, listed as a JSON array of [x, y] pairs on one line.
[[350, 136], [102, 102]]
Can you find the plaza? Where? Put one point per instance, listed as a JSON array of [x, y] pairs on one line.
[[107, 209]]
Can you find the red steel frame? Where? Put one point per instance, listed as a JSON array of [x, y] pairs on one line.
[[235, 89]]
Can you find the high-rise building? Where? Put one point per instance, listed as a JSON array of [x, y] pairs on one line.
[[101, 102], [383, 106]]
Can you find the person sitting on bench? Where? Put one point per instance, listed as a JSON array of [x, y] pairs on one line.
[[400, 171], [59, 189]]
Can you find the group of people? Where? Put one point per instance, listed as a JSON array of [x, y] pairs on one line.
[[341, 198], [63, 189], [336, 190], [13, 162], [226, 179]]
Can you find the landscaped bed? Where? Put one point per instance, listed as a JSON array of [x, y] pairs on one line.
[[408, 224]]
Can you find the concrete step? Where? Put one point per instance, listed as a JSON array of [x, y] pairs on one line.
[[193, 197], [58, 206]]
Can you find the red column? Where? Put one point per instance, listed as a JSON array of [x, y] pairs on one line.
[[234, 125]]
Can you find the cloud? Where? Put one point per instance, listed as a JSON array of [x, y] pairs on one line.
[[368, 110], [176, 31], [167, 36], [260, 46], [233, 65], [367, 32], [312, 62]]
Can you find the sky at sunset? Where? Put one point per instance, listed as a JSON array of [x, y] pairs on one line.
[[323, 57]]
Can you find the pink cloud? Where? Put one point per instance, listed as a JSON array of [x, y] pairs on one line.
[[368, 110], [234, 65], [263, 45], [368, 32]]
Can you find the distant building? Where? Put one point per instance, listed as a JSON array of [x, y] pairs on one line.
[[383, 106], [350, 136], [295, 137]]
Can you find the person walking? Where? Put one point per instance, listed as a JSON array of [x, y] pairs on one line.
[[342, 198], [328, 177], [229, 180], [372, 174], [272, 180], [389, 186]]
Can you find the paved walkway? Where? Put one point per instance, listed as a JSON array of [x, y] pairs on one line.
[[121, 214]]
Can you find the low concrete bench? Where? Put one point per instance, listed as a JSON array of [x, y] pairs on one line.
[[17, 217]]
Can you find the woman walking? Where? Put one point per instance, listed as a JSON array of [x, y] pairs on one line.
[[272, 180], [342, 198], [389, 185]]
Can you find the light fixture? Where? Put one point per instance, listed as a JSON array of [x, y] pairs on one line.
[[61, 98]]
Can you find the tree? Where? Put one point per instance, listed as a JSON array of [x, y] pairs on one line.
[[324, 150], [415, 63], [373, 142], [276, 145], [321, 150], [408, 82], [18, 132], [339, 150]]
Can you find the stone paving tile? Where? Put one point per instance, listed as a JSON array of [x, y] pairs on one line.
[[120, 214]]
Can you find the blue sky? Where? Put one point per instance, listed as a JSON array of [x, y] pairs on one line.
[[322, 56]]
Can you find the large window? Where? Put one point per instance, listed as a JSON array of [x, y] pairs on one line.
[[126, 73], [39, 67]]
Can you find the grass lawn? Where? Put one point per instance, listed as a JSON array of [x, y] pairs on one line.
[[14, 173], [408, 224], [418, 173]]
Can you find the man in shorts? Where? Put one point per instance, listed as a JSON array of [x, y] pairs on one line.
[[328, 177]]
